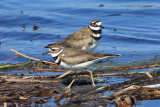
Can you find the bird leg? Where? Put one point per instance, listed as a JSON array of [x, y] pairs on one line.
[[91, 78], [69, 86], [61, 76]]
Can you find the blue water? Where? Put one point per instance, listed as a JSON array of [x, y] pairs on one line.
[[137, 25]]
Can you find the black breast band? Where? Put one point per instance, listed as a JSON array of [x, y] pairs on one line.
[[97, 31], [55, 58], [96, 38]]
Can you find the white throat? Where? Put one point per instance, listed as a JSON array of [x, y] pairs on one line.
[[94, 28], [97, 35], [55, 54]]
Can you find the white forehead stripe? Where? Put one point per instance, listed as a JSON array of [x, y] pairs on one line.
[[98, 23], [94, 28], [55, 54], [55, 48]]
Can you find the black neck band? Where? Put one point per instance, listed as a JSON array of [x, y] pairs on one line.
[[97, 31], [55, 58], [96, 38], [58, 63]]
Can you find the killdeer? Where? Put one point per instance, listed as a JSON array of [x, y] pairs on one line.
[[76, 59], [86, 38]]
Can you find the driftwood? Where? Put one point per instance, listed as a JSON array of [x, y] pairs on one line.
[[42, 70], [137, 67], [134, 87], [27, 79], [46, 86], [128, 96], [20, 92]]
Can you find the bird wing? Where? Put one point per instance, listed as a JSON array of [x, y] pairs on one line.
[[76, 40], [76, 57], [102, 55]]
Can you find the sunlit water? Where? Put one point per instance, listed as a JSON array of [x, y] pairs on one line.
[[131, 27]]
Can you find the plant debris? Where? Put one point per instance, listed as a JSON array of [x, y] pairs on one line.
[[27, 90]]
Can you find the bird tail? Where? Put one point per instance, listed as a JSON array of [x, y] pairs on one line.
[[111, 55], [105, 56]]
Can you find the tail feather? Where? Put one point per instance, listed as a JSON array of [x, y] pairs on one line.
[[108, 56], [111, 55], [100, 55]]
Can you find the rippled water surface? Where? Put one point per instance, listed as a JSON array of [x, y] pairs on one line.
[[136, 23], [132, 28]]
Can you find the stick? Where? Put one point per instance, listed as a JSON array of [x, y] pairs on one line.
[[152, 86], [125, 90], [33, 58], [24, 79], [134, 87], [43, 70], [137, 67], [119, 74]]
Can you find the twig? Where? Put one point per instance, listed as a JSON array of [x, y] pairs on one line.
[[58, 98], [125, 90], [33, 58], [119, 74], [137, 67], [133, 87], [24, 79], [48, 70], [152, 86]]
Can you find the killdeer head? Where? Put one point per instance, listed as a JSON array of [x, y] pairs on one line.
[[54, 51], [96, 25]]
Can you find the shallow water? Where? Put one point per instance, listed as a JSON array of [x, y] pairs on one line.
[[136, 23], [137, 26]]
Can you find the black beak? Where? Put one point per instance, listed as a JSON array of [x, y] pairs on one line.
[[102, 26], [45, 52]]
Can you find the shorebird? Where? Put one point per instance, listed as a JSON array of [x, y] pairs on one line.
[[86, 38], [76, 59]]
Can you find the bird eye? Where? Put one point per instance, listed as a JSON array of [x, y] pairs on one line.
[[52, 49]]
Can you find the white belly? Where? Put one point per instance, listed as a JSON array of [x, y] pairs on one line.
[[78, 66], [91, 47]]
